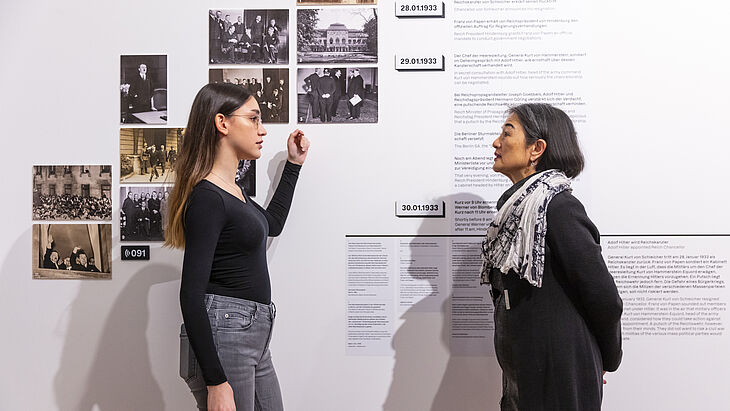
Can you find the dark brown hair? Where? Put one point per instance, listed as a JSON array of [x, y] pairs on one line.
[[198, 149]]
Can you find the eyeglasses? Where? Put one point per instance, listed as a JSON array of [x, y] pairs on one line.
[[255, 119]]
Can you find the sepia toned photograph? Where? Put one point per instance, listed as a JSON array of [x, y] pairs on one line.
[[72, 193], [143, 89], [334, 2], [248, 36], [148, 155], [337, 35], [143, 215], [270, 88], [72, 251], [337, 95]]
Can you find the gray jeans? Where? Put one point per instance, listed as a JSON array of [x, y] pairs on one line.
[[241, 332]]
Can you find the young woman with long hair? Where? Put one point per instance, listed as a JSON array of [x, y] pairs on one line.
[[225, 293]]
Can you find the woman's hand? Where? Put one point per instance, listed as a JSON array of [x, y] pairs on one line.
[[298, 146], [220, 397]]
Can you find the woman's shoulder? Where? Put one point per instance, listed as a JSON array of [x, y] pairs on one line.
[[207, 194], [565, 212], [565, 200], [565, 207]]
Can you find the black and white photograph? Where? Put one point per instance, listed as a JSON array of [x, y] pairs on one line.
[[148, 155], [337, 95], [144, 89], [270, 88], [334, 2], [248, 36], [143, 215], [72, 251], [337, 35], [72, 193], [246, 176]]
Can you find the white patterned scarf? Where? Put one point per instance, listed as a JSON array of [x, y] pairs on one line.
[[515, 239]]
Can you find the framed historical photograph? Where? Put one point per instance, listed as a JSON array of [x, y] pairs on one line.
[[248, 36], [270, 88], [148, 155], [72, 193], [337, 35], [337, 95], [143, 214], [143, 89], [72, 251]]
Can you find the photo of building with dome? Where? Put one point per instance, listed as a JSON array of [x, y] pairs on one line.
[[337, 36]]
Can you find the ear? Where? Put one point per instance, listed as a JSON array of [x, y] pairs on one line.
[[538, 149], [220, 124]]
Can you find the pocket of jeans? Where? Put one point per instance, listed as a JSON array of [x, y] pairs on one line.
[[187, 357], [229, 320]]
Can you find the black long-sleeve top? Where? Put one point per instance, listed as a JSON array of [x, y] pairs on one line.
[[225, 254]]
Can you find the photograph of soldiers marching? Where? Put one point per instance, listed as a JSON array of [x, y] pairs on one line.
[[148, 155], [72, 193], [143, 214], [337, 95], [270, 88], [248, 36]]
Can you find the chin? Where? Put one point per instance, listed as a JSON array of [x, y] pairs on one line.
[[250, 156]]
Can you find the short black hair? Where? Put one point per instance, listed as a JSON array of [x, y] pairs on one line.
[[543, 121]]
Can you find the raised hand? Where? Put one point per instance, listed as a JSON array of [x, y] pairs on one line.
[[297, 146]]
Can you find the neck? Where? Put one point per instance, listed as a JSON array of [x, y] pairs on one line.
[[225, 164], [518, 175]]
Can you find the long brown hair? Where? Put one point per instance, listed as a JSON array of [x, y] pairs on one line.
[[198, 149]]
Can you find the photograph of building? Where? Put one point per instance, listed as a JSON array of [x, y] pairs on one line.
[[337, 35]]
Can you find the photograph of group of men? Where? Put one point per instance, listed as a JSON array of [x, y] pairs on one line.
[[72, 251], [338, 95], [143, 89], [148, 155], [270, 88], [248, 36], [72, 192], [143, 216]]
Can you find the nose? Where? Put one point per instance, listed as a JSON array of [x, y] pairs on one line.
[[262, 130], [495, 143]]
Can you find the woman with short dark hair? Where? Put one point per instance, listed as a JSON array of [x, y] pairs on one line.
[[557, 310]]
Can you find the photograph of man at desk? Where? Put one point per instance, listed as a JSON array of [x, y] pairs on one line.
[[143, 89]]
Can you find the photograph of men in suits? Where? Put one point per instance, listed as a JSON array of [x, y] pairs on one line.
[[140, 90], [348, 95], [311, 83], [327, 87], [248, 36], [72, 251], [215, 33], [143, 88], [269, 86], [355, 93]]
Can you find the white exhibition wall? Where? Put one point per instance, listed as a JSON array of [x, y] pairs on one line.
[[656, 85]]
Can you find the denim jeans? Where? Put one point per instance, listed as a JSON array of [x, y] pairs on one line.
[[241, 333]]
